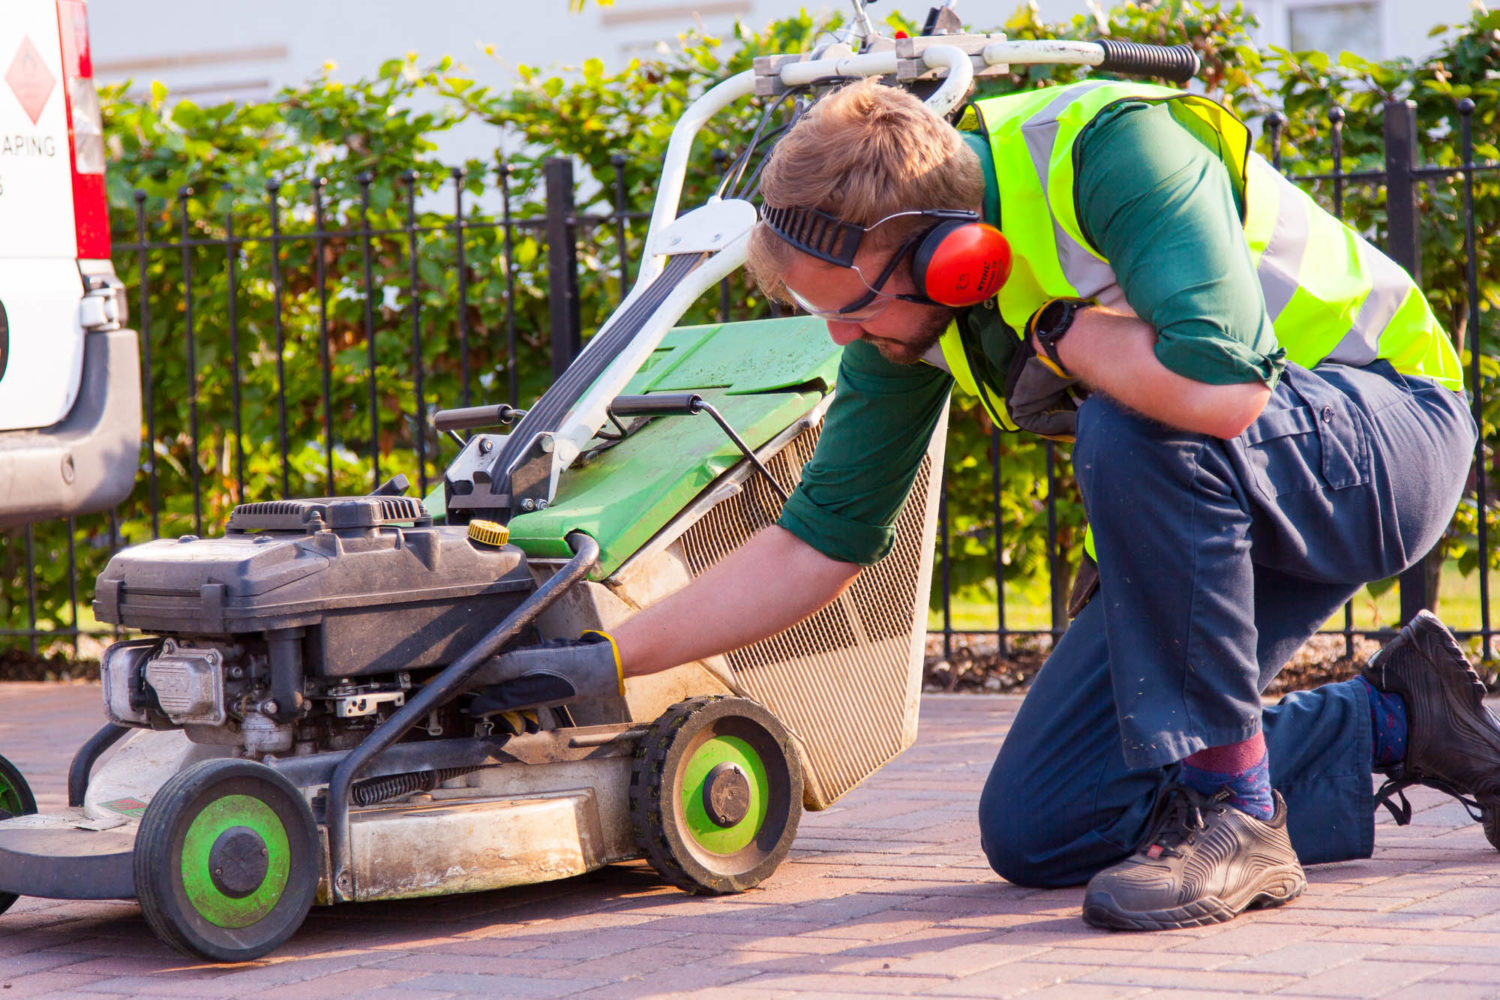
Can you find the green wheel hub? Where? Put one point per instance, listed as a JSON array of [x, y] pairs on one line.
[[698, 787], [12, 800], [203, 872], [15, 800]]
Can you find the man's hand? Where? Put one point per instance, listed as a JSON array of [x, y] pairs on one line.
[[1039, 398], [552, 673]]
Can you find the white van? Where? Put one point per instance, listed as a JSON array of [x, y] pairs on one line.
[[70, 399]]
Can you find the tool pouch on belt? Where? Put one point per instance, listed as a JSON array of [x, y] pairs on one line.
[[1085, 584], [1039, 398]]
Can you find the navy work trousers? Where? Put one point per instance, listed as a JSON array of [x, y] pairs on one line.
[[1217, 560]]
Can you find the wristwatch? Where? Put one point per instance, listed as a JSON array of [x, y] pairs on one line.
[[1049, 323]]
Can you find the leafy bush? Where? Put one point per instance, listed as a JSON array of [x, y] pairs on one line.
[[181, 170]]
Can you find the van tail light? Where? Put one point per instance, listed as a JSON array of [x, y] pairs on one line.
[[86, 129]]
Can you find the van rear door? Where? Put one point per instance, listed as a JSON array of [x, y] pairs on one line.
[[70, 389], [41, 334]]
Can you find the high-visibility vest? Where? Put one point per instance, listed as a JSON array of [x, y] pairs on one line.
[[1330, 295]]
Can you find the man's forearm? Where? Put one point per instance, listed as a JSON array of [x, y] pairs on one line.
[[772, 582], [1114, 353]]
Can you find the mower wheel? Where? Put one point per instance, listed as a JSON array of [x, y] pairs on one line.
[[1490, 820], [226, 861], [715, 794], [15, 800]]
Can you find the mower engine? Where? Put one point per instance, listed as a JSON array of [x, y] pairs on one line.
[[305, 626]]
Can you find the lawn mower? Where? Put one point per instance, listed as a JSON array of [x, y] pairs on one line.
[[290, 722]]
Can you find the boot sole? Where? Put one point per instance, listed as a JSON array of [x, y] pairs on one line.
[[1277, 889]]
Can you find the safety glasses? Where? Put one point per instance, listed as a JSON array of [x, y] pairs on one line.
[[875, 300]]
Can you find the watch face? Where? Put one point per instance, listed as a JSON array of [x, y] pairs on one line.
[[1054, 315]]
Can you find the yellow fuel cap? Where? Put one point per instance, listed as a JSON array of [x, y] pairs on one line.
[[488, 533]]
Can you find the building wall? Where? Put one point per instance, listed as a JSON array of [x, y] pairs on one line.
[[233, 50], [214, 52], [1382, 29]]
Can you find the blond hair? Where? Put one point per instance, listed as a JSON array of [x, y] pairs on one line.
[[863, 152]]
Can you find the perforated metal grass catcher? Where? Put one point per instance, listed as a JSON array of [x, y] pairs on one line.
[[290, 725]]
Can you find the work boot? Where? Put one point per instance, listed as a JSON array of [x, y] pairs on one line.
[[1452, 740], [1204, 862]]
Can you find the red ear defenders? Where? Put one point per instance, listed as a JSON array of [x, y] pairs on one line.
[[961, 263]]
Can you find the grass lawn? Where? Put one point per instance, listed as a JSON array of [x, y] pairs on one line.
[[1458, 605]]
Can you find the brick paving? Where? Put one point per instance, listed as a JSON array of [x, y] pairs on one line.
[[885, 895]]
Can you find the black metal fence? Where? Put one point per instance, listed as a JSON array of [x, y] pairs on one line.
[[295, 341]]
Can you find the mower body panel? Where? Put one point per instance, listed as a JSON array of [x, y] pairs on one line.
[[432, 849], [762, 376], [64, 855], [515, 824]]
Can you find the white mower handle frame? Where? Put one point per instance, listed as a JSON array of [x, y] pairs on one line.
[[722, 226]]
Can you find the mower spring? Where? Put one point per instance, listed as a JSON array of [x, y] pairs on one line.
[[375, 790]]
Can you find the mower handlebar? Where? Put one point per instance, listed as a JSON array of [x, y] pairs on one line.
[[657, 403], [469, 417], [1178, 63]]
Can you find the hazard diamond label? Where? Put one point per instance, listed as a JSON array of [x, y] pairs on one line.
[[29, 80], [126, 807]]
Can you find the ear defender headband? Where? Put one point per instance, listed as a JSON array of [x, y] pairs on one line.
[[959, 262]]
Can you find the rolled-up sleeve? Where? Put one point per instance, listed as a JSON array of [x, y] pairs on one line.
[[874, 436], [1159, 205]]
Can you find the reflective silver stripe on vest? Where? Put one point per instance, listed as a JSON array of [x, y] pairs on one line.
[[1086, 273], [1389, 288], [1282, 259]]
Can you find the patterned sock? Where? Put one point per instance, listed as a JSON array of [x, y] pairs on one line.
[[1387, 725], [1243, 768]]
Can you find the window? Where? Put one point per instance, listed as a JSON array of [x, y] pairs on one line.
[[1335, 27]]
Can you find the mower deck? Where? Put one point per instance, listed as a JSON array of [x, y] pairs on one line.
[[51, 856]]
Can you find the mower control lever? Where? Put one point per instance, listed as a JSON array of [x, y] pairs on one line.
[[676, 403], [396, 486]]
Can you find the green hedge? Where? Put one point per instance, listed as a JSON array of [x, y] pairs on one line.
[[376, 138]]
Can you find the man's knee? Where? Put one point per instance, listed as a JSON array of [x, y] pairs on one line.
[[1047, 833], [1021, 845]]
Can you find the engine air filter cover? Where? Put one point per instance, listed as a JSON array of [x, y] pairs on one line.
[[327, 512]]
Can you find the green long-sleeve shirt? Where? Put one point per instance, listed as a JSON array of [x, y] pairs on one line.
[[1160, 207]]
